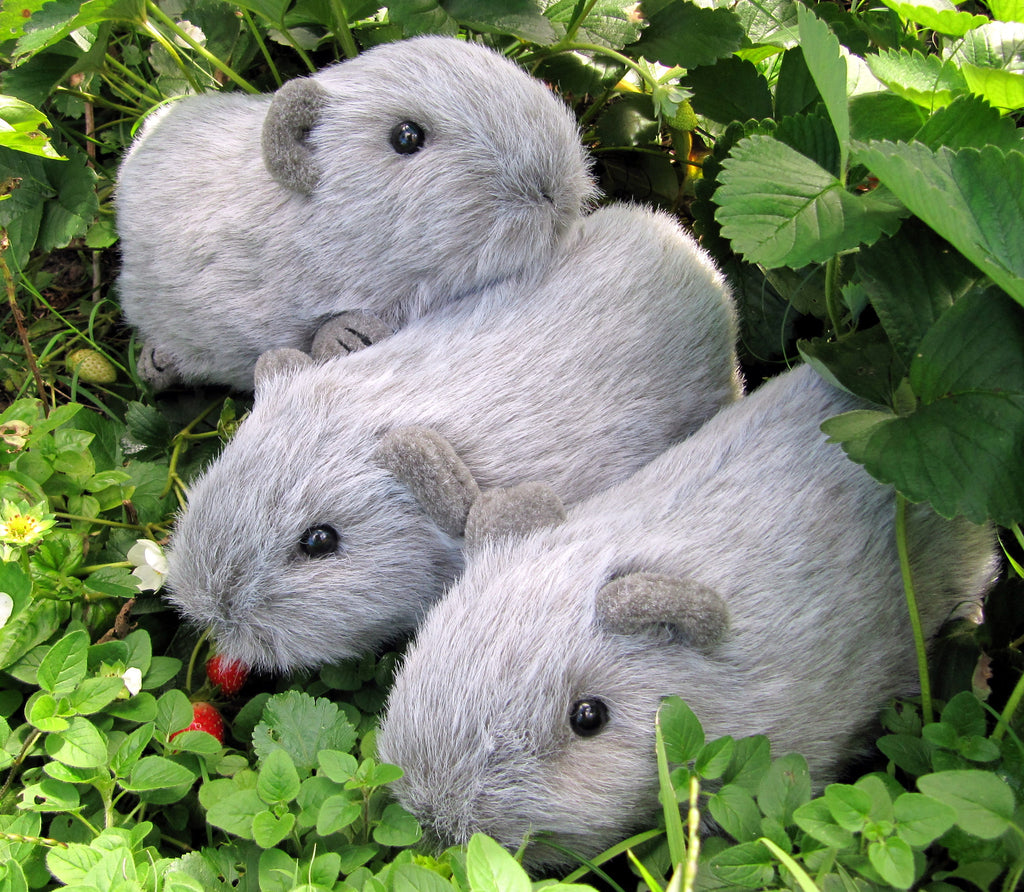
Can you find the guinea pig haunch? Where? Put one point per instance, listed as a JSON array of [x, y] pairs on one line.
[[418, 173], [303, 543], [751, 569]]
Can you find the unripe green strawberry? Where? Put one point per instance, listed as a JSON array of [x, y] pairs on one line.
[[92, 367]]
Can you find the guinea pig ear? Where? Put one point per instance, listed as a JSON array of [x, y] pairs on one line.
[[632, 602], [278, 362], [293, 113], [512, 511], [426, 462]]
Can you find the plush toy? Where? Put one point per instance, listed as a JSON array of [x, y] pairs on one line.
[[300, 546], [419, 173], [751, 570]]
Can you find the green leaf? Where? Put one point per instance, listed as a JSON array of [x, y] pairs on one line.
[[828, 69], [850, 806], [20, 125], [491, 869], [72, 864], [521, 18], [339, 767], [397, 827], [235, 811], [50, 795], [920, 819], [730, 90], [816, 819], [279, 781], [31, 622], [81, 745], [908, 752], [885, 116], [771, 22], [714, 759], [937, 15], [968, 122], [609, 23], [681, 729], [750, 762], [43, 712], [1002, 89], [894, 861], [736, 812], [268, 830], [158, 773], [336, 813], [173, 712], [965, 714], [302, 726], [94, 693], [912, 279], [748, 864], [972, 198], [779, 208], [961, 449], [685, 34], [127, 755], [927, 81], [416, 878], [983, 802], [785, 787], [993, 45]]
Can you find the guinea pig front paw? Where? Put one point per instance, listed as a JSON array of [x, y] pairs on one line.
[[157, 368], [347, 332]]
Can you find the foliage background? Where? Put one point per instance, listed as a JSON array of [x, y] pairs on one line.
[[858, 171]]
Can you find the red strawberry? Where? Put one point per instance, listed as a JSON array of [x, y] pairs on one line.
[[229, 674], [205, 717]]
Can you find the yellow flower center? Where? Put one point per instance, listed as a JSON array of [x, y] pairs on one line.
[[21, 529]]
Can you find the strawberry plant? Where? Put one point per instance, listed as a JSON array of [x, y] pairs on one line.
[[857, 169]]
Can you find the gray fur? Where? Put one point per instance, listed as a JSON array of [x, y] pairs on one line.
[[623, 344], [796, 540], [224, 257]]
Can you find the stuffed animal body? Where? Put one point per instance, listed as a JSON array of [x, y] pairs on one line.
[[419, 173], [751, 570], [622, 345]]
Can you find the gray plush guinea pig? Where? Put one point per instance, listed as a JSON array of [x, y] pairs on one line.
[[750, 570], [416, 174], [300, 546]]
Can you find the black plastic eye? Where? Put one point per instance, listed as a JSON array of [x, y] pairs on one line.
[[318, 542], [407, 137], [589, 716]]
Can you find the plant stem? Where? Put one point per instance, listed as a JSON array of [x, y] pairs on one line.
[[142, 528], [576, 23], [179, 32], [342, 31], [915, 615], [832, 293], [156, 34], [1009, 710], [19, 321], [564, 47], [192, 659], [30, 742], [179, 441], [693, 826], [261, 43], [145, 86]]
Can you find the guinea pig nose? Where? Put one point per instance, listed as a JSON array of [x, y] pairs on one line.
[[319, 541], [589, 716]]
